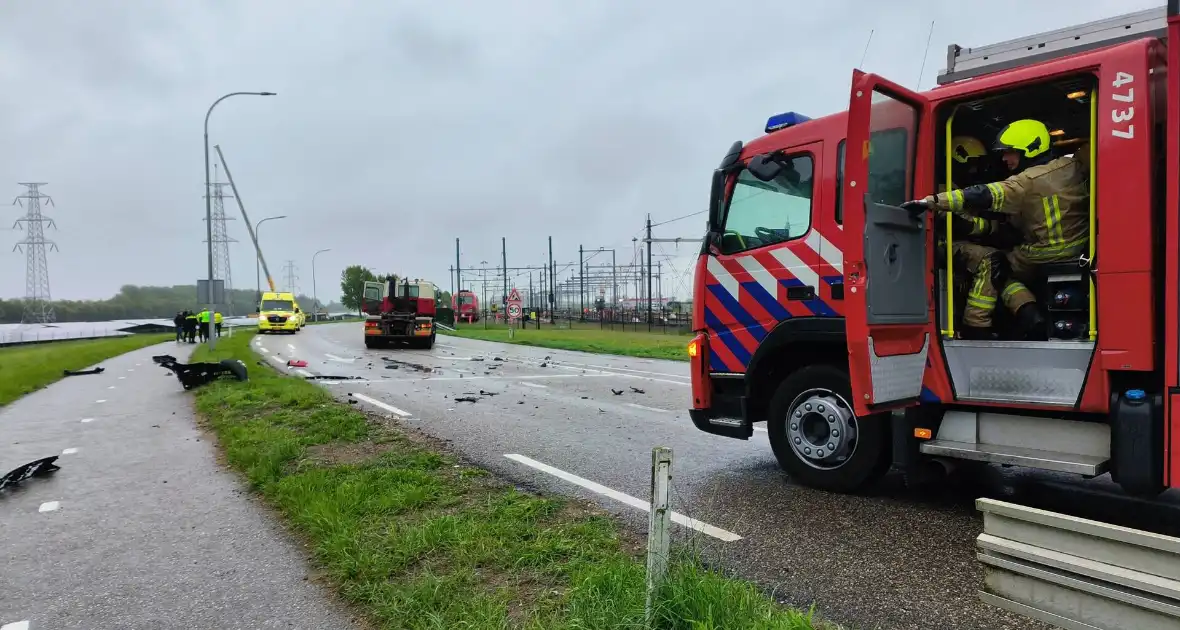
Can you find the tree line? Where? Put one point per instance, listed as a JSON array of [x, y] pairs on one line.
[[136, 302]]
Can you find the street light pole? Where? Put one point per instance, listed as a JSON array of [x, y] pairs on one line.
[[257, 261], [209, 200], [315, 299]]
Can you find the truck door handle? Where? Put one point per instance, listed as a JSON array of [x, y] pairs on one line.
[[801, 293]]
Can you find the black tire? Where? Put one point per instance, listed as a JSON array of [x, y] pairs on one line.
[[428, 343], [868, 456]]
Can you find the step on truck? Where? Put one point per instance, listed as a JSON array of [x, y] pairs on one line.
[[827, 310], [399, 312]]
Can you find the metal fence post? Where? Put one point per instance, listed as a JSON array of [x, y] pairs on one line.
[[659, 527]]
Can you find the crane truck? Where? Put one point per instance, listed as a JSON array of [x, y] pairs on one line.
[[827, 311], [399, 311]]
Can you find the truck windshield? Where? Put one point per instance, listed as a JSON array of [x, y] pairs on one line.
[[761, 213], [277, 305]]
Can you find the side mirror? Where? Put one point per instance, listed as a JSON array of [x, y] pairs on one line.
[[716, 192], [764, 167]]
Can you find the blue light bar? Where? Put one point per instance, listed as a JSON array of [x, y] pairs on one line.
[[782, 121]]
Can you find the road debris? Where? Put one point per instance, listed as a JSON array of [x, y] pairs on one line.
[[299, 363], [477, 358], [486, 393], [97, 370], [470, 399], [616, 392], [331, 377], [637, 390], [193, 375], [36, 468], [497, 359]]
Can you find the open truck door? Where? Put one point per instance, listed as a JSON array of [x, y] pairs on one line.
[[372, 295], [886, 259]]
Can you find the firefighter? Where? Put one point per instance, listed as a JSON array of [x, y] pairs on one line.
[[1048, 198]]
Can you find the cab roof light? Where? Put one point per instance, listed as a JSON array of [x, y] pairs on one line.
[[784, 120], [1078, 95], [1057, 132]]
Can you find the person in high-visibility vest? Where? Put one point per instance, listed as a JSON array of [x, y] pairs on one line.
[[203, 325], [217, 322]]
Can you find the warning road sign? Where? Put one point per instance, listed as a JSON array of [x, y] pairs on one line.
[[514, 295]]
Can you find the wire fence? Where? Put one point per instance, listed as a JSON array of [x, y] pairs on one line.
[[662, 321]]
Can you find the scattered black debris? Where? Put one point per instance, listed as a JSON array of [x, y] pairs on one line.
[[637, 390], [391, 366], [601, 411], [331, 377], [493, 367], [32, 469], [546, 358], [585, 398], [155, 426], [486, 393], [497, 359], [544, 365], [477, 358], [97, 370], [352, 401], [193, 375], [520, 402], [469, 399], [616, 392]]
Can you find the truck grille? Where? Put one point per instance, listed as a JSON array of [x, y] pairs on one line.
[[276, 319]]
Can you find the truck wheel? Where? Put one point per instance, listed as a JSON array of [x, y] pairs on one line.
[[816, 436]]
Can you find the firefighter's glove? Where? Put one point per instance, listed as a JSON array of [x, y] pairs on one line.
[[961, 227], [918, 207]]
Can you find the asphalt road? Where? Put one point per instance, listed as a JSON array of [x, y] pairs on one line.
[[891, 558], [141, 527]]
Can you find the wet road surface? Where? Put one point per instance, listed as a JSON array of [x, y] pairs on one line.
[[890, 558], [141, 527]]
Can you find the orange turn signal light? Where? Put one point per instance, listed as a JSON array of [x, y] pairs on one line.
[[923, 434], [694, 348]]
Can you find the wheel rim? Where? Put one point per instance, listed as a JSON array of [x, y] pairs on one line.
[[822, 429]]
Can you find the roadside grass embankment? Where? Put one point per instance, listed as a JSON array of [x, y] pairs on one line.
[[647, 345], [25, 369], [414, 538]]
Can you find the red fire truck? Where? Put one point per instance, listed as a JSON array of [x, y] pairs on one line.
[[822, 309]]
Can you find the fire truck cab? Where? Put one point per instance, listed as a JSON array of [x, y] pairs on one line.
[[826, 310]]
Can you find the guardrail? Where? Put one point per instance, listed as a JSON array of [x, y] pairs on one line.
[[1076, 573]]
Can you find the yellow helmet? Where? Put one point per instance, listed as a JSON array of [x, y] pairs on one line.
[[964, 148], [1029, 137]]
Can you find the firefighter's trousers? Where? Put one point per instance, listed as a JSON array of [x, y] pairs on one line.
[[979, 261]]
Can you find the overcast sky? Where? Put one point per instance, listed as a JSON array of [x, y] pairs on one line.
[[400, 126]]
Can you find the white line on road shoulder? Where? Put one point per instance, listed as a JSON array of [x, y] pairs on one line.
[[263, 349], [340, 359], [16, 625], [537, 385], [291, 346], [49, 506], [100, 400], [386, 406], [87, 419], [111, 387], [639, 504], [122, 377], [646, 408], [302, 372], [69, 451]]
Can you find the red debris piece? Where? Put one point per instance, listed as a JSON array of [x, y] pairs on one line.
[[296, 363]]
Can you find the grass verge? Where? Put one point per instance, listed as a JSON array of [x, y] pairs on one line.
[[416, 539], [647, 345], [25, 369]]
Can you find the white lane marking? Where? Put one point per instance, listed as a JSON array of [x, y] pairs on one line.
[[111, 387], [100, 400], [291, 346], [639, 504], [502, 378], [340, 359], [122, 377], [138, 364], [621, 369], [278, 360], [87, 419], [16, 625], [646, 408], [597, 372], [49, 506], [386, 406], [69, 451], [263, 349], [130, 369], [537, 385], [302, 372]]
